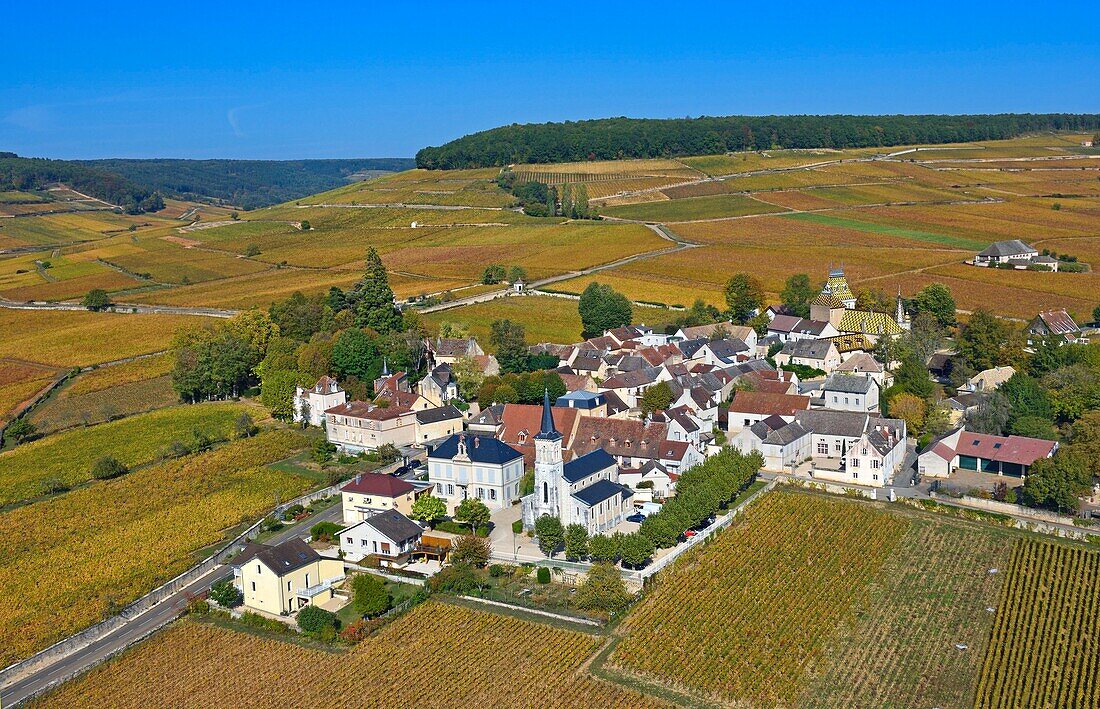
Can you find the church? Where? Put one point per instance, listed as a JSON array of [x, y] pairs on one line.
[[584, 491], [836, 305]]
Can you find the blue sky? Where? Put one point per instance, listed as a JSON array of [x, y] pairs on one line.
[[278, 80]]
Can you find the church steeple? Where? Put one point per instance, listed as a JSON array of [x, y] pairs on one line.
[[385, 367], [547, 432]]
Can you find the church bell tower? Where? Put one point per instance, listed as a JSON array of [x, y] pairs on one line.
[[548, 463]]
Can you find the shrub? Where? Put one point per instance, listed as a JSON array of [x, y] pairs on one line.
[[496, 570], [543, 575], [255, 620], [456, 578], [314, 619], [359, 630], [108, 467], [517, 527], [271, 524], [470, 549], [325, 531], [603, 590], [198, 606], [225, 594], [370, 595], [21, 431]]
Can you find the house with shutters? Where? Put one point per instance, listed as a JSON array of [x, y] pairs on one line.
[[389, 536], [311, 404], [873, 459], [585, 491], [782, 443], [850, 392], [284, 578], [964, 450], [368, 494], [473, 466], [366, 426], [864, 365]]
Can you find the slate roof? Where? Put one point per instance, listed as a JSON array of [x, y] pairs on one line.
[[1012, 247], [491, 416], [728, 349], [784, 323], [615, 403], [690, 347], [480, 449], [850, 424], [848, 384], [581, 467], [394, 526], [784, 435], [599, 491], [581, 400], [282, 559], [369, 410], [632, 379], [807, 349], [378, 484], [443, 413]]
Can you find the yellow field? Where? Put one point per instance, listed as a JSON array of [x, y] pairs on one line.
[[107, 377], [732, 163], [20, 382], [450, 657], [78, 338], [113, 541], [547, 319]]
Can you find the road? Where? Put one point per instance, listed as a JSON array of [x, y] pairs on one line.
[[660, 230], [141, 625], [124, 308]]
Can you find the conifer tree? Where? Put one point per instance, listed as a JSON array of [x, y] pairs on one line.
[[374, 298]]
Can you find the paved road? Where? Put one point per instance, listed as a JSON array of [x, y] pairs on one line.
[[121, 308], [104, 647]]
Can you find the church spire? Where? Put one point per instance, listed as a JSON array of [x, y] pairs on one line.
[[385, 367], [547, 432]]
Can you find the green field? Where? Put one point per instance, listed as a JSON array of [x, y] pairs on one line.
[[67, 458], [916, 234], [682, 210]]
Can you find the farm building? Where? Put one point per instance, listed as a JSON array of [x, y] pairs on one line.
[[1015, 253], [963, 450]]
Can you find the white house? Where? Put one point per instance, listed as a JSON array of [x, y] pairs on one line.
[[850, 392], [362, 425], [440, 386], [864, 365], [389, 535], [782, 444], [585, 490], [312, 403], [873, 460], [475, 466], [660, 482], [750, 407], [820, 354]]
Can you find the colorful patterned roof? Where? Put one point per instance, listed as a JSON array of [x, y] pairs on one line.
[[828, 300], [837, 285], [868, 323], [851, 342]]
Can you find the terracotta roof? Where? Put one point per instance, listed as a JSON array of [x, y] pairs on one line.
[[861, 362], [326, 385], [757, 402], [674, 450], [1059, 322], [1020, 450], [378, 484], [520, 423], [627, 437]]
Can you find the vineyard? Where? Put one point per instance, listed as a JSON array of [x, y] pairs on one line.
[[899, 648], [746, 616], [77, 557], [66, 409], [437, 655], [67, 458], [1045, 645]]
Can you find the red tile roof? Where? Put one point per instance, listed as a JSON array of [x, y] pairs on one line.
[[521, 422], [378, 484], [758, 402], [367, 410], [1020, 450]]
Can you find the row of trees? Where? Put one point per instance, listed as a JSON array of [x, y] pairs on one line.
[[631, 549], [618, 138], [495, 273], [539, 199]]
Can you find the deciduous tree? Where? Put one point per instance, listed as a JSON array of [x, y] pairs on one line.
[[602, 308], [744, 296]]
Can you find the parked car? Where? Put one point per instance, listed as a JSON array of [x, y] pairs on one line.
[[415, 463], [690, 533], [400, 470], [638, 517]]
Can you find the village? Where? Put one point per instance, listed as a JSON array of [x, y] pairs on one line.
[[556, 484]]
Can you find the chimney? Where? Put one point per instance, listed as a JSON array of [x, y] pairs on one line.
[[358, 478], [477, 440]]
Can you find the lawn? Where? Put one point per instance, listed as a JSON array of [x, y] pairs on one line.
[[680, 210], [450, 656], [75, 558], [68, 457]]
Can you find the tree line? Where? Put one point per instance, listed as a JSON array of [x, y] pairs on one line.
[[619, 138], [27, 174]]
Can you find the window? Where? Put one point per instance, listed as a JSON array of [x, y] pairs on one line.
[[855, 462], [439, 488], [837, 446], [748, 422], [480, 493], [823, 448], [545, 493], [288, 584], [855, 476], [362, 542], [450, 489], [350, 541], [875, 464], [257, 568], [492, 494], [253, 585], [376, 546]]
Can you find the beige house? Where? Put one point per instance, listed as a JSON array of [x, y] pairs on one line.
[[363, 426], [437, 423], [282, 579], [371, 493], [819, 354]]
